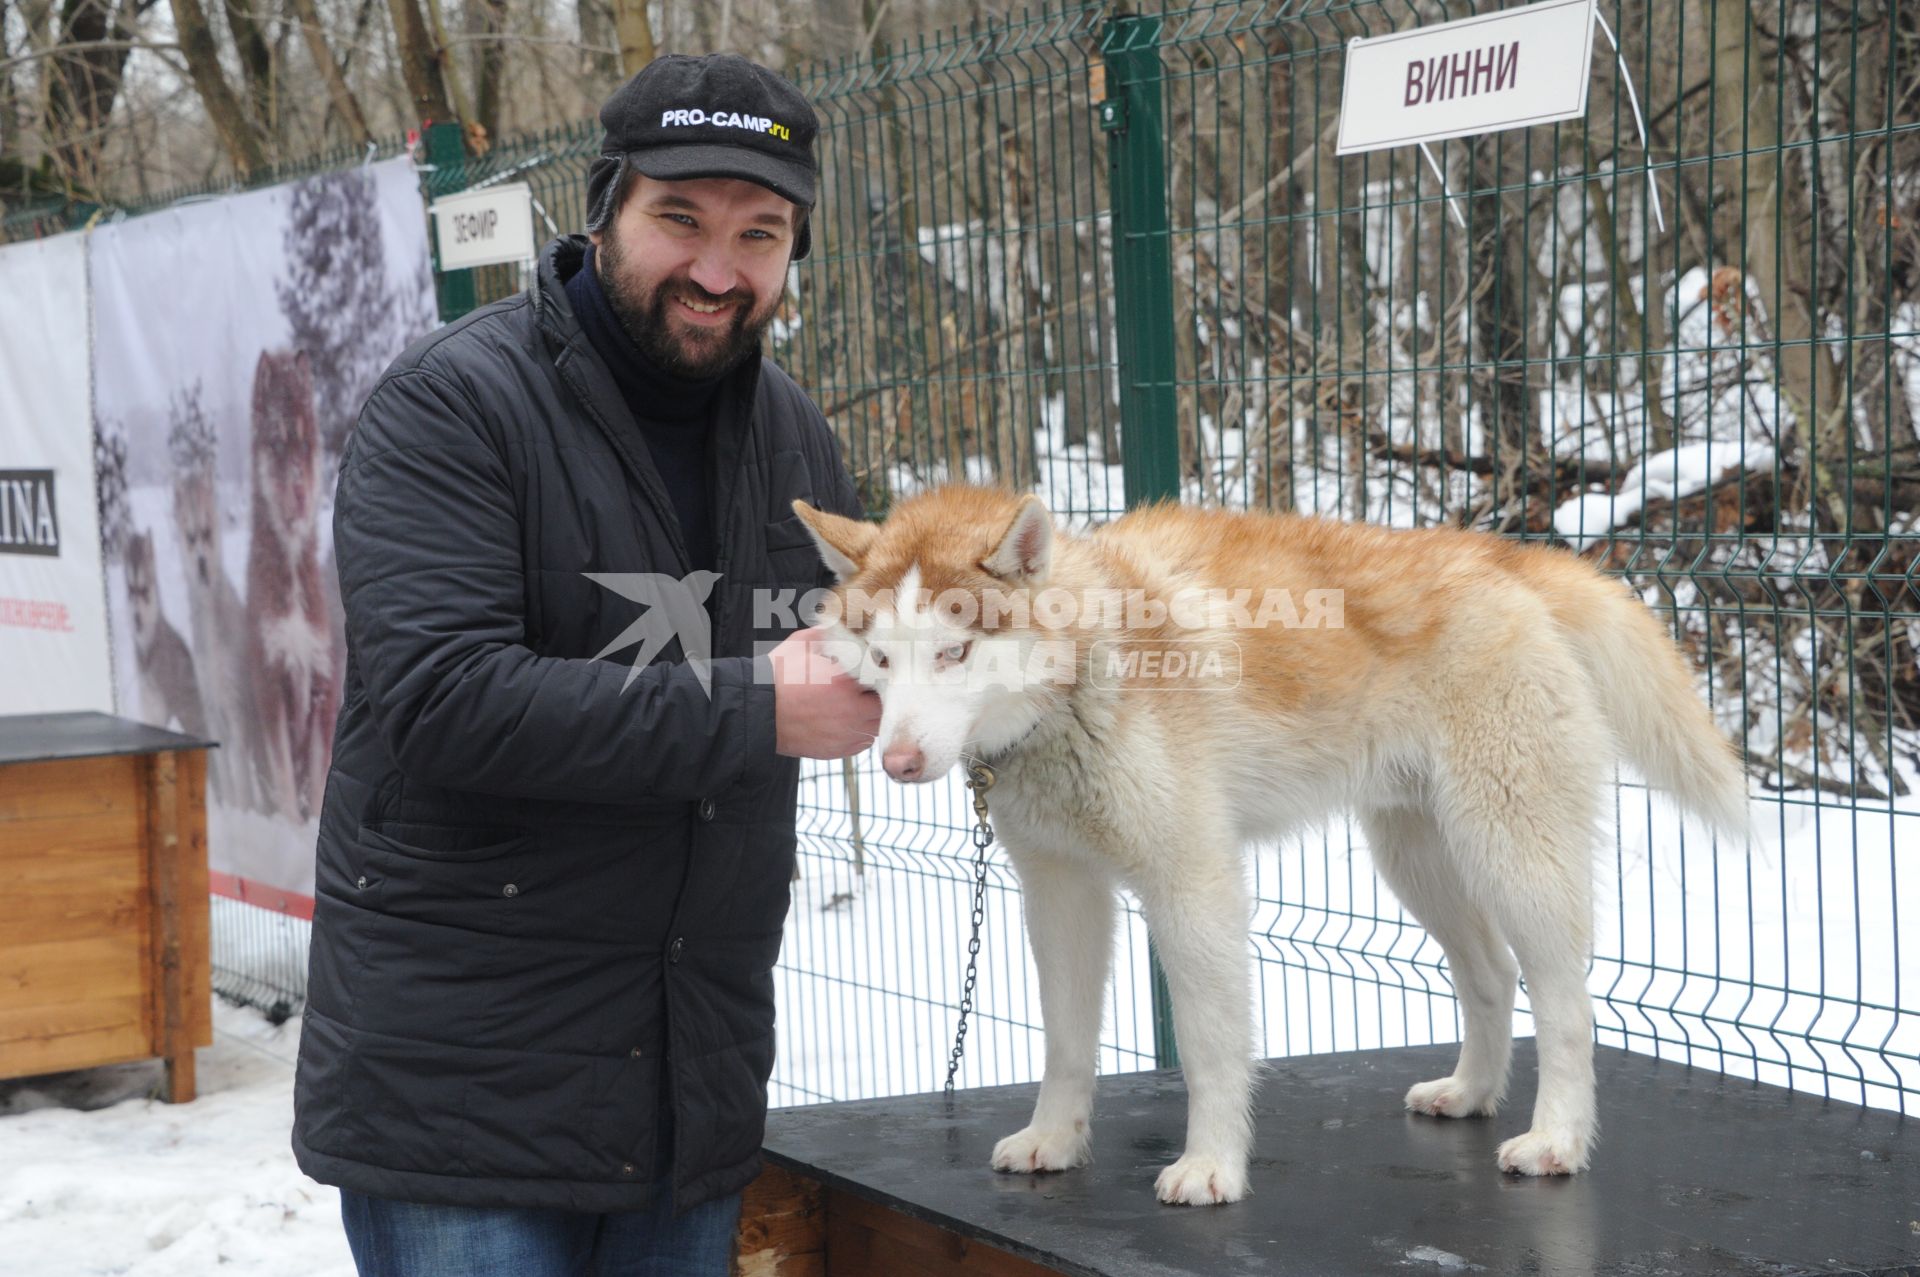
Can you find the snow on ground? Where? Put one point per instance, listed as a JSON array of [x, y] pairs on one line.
[[96, 1177], [1670, 475]]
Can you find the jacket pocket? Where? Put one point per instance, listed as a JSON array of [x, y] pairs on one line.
[[421, 840], [482, 879]]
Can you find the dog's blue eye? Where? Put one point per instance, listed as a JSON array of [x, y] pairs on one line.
[[958, 652]]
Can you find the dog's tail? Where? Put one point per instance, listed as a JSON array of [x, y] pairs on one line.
[[1647, 693]]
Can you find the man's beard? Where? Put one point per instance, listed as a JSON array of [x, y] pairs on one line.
[[646, 321]]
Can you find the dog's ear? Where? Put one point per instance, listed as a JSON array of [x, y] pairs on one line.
[[1026, 549], [843, 542]]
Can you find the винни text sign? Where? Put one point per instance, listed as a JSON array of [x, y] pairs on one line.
[[1506, 70]]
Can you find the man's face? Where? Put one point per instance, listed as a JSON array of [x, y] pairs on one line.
[[695, 269]]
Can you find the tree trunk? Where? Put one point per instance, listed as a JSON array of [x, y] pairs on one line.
[[420, 63], [256, 61], [229, 117], [1014, 420], [1626, 333], [10, 120], [1780, 219], [1496, 272], [449, 74], [338, 91], [1340, 323], [83, 86], [636, 34], [490, 63], [600, 63]]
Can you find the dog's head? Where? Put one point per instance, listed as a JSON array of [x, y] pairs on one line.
[[936, 610]]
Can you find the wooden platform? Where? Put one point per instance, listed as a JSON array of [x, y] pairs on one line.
[[1697, 1173], [103, 916]]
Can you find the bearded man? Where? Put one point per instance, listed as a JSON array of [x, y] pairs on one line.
[[552, 872]]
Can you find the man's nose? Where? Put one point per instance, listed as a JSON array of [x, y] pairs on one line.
[[715, 272], [904, 762]]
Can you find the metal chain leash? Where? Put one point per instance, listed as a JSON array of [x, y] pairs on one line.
[[979, 780]]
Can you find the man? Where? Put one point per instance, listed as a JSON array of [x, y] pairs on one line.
[[552, 878]]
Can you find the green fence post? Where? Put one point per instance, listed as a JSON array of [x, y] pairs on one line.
[[447, 152], [1132, 117]]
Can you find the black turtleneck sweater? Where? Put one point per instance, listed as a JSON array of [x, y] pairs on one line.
[[675, 415]]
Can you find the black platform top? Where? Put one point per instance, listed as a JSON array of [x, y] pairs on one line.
[[1695, 1173], [43, 738]]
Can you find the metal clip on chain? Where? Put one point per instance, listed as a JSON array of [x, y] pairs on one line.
[[979, 780]]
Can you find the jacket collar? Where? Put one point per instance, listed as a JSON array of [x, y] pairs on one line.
[[736, 419]]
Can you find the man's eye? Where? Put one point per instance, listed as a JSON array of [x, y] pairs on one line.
[[759, 234], [681, 218]]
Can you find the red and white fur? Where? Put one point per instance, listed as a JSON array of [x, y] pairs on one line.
[[290, 644], [1467, 706]]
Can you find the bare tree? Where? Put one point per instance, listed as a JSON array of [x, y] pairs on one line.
[[339, 92], [421, 65], [636, 34], [223, 105]]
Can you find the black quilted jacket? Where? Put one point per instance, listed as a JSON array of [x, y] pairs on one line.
[[548, 904]]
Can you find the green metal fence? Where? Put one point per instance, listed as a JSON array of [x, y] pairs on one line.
[[1114, 257], [1036, 231]]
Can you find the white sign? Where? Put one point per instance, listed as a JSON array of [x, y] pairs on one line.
[[53, 610], [485, 227], [1507, 70]]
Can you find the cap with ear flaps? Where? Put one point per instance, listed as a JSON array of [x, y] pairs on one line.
[[683, 117]]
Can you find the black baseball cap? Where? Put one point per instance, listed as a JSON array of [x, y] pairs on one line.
[[682, 117]]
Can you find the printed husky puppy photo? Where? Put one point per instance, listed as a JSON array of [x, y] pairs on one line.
[[1156, 696], [290, 650], [169, 689], [219, 625]]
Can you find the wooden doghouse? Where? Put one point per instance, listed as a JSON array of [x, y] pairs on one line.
[[103, 896]]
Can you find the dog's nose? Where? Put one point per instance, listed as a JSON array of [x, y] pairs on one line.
[[904, 762]]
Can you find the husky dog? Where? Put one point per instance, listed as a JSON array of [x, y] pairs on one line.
[[290, 648], [169, 691], [218, 620], [1156, 695]]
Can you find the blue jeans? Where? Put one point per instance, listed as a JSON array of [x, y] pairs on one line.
[[408, 1239]]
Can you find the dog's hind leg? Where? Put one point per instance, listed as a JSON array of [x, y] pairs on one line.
[[1518, 803], [1198, 911], [1411, 855], [1069, 906]]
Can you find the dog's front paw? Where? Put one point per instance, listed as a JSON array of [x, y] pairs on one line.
[[1543, 1153], [1451, 1097], [1199, 1180], [1037, 1148]]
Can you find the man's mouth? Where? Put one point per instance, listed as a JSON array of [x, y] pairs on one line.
[[704, 309]]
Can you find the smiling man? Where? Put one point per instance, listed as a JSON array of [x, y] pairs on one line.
[[550, 887]]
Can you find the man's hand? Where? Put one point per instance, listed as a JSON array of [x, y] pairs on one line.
[[819, 710]]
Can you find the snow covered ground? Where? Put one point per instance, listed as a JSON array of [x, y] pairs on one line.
[[98, 1178]]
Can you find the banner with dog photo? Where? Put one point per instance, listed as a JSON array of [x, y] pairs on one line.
[[52, 617], [234, 342]]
